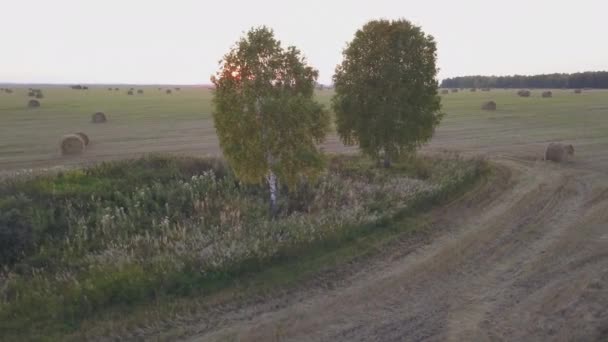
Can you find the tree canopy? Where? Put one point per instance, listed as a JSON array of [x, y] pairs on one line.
[[386, 93], [265, 116]]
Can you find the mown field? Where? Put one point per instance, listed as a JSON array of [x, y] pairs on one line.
[[96, 244], [181, 123]]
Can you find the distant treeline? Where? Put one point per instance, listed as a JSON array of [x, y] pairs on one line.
[[592, 79]]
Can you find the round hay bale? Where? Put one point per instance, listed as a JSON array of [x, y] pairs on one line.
[[130, 92], [490, 105], [557, 152], [445, 92], [454, 90], [116, 89], [547, 94], [39, 96], [168, 91], [485, 89], [33, 104], [139, 91], [578, 91], [524, 93], [84, 138], [473, 90], [72, 144], [99, 117], [8, 91]]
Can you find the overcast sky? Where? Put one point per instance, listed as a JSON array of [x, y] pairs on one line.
[[180, 41]]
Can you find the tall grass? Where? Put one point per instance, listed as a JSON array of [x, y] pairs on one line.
[[129, 232]]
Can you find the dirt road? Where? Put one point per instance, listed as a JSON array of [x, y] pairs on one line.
[[522, 258]]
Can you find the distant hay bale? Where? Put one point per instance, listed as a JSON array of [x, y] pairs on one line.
[[445, 92], [454, 90], [490, 105], [178, 88], [547, 93], [31, 94], [524, 93], [99, 117], [39, 96], [84, 137], [72, 144], [33, 104], [557, 152], [168, 91], [139, 91], [130, 92], [473, 90], [485, 89], [110, 89], [116, 89], [85, 88], [578, 91], [8, 91]]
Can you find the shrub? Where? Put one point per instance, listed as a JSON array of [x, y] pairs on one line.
[[16, 236], [33, 104]]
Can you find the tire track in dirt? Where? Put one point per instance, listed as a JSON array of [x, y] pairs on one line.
[[525, 261]]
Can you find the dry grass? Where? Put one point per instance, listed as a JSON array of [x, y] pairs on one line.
[[99, 117], [490, 105], [182, 124], [72, 144]]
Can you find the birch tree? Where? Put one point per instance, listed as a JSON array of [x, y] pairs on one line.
[[268, 123], [386, 98]]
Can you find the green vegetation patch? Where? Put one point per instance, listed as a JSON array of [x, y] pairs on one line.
[[80, 242]]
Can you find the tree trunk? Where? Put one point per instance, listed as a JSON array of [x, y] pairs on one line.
[[271, 178], [387, 161]]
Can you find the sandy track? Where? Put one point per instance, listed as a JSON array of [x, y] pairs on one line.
[[524, 257]]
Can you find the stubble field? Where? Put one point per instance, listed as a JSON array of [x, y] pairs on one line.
[[182, 123]]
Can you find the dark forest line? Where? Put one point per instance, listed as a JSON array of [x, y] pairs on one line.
[[591, 79]]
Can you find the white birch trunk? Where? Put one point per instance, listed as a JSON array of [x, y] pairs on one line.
[[271, 177]]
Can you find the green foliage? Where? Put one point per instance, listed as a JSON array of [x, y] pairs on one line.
[[123, 233], [264, 112], [386, 97]]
